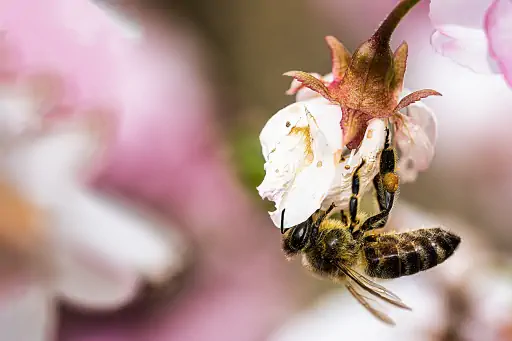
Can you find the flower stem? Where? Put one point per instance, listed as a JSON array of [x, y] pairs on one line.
[[388, 26]]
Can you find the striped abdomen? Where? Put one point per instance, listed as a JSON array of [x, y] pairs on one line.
[[403, 254]]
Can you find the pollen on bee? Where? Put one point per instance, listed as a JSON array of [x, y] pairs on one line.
[[390, 182]]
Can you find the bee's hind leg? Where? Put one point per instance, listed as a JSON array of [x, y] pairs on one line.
[[353, 206], [386, 184]]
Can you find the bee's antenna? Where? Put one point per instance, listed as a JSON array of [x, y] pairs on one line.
[[282, 222]]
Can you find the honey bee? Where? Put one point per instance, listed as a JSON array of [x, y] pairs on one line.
[[333, 248]]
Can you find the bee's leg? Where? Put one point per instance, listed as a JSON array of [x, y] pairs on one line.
[[386, 184], [353, 204], [380, 193], [388, 177], [380, 219]]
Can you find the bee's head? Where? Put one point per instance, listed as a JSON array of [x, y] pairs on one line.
[[295, 239]]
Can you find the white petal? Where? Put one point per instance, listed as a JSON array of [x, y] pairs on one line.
[[311, 185], [298, 186], [44, 168], [328, 78], [495, 286], [85, 280], [27, 312], [279, 126], [18, 113], [460, 33], [465, 46], [370, 149], [284, 162], [105, 250], [120, 236], [284, 152], [327, 115], [338, 313], [416, 155]]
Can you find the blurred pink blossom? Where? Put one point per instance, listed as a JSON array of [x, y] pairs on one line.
[[80, 43], [474, 33], [58, 100]]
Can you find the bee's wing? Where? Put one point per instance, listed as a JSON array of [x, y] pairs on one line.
[[364, 302], [372, 287]]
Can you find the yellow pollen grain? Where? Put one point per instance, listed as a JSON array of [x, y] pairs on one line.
[[369, 134], [306, 135], [319, 164], [390, 182], [347, 167]]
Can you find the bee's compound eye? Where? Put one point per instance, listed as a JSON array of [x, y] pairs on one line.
[[298, 238], [298, 234]]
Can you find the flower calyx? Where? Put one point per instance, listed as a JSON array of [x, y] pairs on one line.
[[368, 83]]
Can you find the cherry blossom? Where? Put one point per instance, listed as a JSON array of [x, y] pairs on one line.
[[301, 143], [88, 238], [476, 34], [304, 169]]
